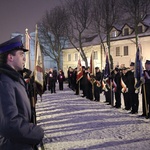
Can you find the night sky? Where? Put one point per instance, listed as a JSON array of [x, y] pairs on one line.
[[17, 15]]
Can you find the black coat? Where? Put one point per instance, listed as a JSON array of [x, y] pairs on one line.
[[16, 130], [131, 81]]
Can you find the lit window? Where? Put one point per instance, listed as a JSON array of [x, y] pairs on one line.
[[69, 57], [126, 50], [113, 33], [76, 57], [117, 51], [95, 55]]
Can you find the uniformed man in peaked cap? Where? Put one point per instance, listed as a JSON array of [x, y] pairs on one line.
[[145, 91], [16, 130], [12, 44], [133, 95]]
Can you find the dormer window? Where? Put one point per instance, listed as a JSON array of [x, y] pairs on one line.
[[114, 33], [126, 31]]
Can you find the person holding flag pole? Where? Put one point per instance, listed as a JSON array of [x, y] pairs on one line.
[[143, 79], [106, 83], [144, 91], [135, 80]]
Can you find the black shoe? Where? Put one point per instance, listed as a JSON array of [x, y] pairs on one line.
[[147, 117], [132, 112], [118, 107], [143, 115]]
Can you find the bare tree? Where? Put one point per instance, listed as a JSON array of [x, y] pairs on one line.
[[80, 20], [53, 33], [105, 14], [137, 10]]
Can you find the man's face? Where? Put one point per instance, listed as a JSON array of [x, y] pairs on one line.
[[132, 67], [18, 60]]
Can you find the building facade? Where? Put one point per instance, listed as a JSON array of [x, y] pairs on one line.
[[122, 47]]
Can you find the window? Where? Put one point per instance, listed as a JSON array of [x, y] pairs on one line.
[[69, 57], [95, 55], [126, 31], [140, 29], [76, 57], [117, 51], [126, 50], [114, 34]]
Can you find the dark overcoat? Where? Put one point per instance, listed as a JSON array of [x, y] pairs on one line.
[[16, 130]]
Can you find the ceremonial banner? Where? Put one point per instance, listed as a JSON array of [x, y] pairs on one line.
[[138, 73], [39, 67], [107, 65], [79, 71], [92, 64]]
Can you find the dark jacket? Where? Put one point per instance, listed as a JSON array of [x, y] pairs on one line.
[[131, 81], [16, 130]]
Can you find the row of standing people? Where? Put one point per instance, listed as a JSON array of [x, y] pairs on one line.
[[89, 84], [126, 84], [120, 81], [51, 77]]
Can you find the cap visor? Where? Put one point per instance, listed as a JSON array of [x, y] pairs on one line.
[[25, 50]]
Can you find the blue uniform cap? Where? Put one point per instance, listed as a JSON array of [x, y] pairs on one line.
[[12, 44]]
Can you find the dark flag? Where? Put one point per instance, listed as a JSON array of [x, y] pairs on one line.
[[107, 65], [138, 74]]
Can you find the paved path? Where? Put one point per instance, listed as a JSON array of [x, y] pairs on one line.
[[75, 123]]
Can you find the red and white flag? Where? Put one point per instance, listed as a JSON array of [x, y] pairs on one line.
[[79, 71]]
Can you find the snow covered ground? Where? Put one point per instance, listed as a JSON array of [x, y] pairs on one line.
[[71, 122]]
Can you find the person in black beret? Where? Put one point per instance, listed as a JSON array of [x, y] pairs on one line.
[[97, 84], [16, 130]]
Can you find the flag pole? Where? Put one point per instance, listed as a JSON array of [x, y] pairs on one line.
[[145, 100], [36, 74], [79, 80], [92, 72]]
